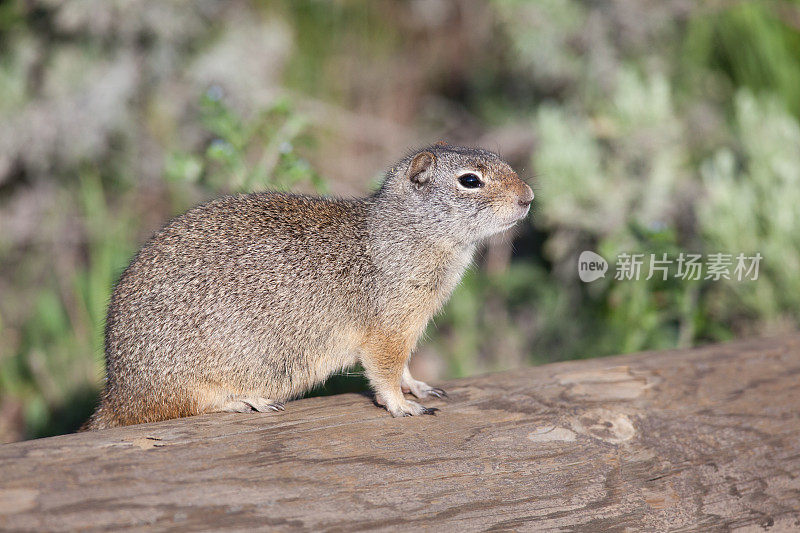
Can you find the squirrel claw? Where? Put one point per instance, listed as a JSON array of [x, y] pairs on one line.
[[407, 408], [420, 389]]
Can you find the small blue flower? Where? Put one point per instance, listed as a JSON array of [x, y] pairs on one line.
[[215, 93], [222, 145]]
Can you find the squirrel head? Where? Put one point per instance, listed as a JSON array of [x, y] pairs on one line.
[[466, 194]]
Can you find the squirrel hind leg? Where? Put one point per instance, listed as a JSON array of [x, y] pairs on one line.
[[250, 404]]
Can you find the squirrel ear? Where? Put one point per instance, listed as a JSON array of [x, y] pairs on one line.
[[418, 169]]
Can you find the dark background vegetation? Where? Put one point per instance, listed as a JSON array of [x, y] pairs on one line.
[[645, 126]]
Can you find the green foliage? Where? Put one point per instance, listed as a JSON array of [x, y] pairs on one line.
[[608, 174], [752, 206], [616, 173], [59, 360], [247, 155], [752, 44], [329, 35]]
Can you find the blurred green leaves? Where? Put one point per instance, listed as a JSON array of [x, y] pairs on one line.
[[60, 354], [753, 43], [246, 155], [753, 194]]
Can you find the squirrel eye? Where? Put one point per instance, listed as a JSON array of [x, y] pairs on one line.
[[470, 181]]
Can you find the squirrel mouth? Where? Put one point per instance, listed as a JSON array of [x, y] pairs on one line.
[[509, 224]]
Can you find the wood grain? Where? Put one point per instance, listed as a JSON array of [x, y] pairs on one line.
[[705, 439]]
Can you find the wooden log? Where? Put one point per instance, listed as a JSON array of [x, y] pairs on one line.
[[705, 439]]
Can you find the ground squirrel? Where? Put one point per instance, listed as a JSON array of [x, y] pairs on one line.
[[248, 301]]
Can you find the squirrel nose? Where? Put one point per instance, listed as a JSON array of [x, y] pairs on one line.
[[527, 199]]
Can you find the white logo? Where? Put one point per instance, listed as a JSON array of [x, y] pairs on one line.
[[591, 266]]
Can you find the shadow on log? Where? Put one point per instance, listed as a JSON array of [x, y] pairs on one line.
[[703, 439]]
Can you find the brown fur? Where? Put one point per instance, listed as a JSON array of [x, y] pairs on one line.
[[248, 301]]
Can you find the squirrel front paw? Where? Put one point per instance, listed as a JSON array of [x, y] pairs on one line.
[[402, 407], [409, 408]]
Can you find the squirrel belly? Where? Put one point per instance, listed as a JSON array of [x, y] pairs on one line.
[[249, 301]]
